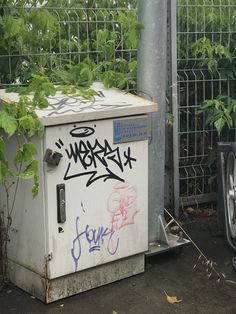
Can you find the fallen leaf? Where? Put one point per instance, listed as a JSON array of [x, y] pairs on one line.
[[114, 312], [208, 212], [172, 299], [190, 210]]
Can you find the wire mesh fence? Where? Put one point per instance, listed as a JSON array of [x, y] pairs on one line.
[[206, 33], [41, 37]]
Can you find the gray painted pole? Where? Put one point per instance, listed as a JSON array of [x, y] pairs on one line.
[[152, 69], [174, 101]]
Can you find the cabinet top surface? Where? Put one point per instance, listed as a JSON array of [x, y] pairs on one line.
[[108, 103]]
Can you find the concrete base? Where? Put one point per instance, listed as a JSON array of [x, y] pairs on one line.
[[51, 290]]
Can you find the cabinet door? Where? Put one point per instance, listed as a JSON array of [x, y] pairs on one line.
[[96, 196]]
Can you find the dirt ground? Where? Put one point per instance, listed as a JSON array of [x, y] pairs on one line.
[[144, 294]]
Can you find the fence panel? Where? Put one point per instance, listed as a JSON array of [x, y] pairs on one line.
[[206, 68], [48, 36]]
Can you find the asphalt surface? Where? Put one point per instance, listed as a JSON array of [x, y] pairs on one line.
[[171, 273]]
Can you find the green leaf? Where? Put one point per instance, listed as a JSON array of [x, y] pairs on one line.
[[86, 93], [169, 118], [212, 65], [49, 89], [212, 179], [8, 123], [40, 101], [62, 75], [4, 170], [30, 171], [109, 79], [67, 89], [40, 129], [211, 158], [13, 26], [219, 124], [27, 125], [25, 153], [35, 187], [2, 144], [17, 89]]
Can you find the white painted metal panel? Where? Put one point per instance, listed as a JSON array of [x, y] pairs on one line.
[[108, 103], [27, 245], [106, 190]]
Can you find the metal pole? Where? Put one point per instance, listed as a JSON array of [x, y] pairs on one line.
[[174, 103], [152, 77]]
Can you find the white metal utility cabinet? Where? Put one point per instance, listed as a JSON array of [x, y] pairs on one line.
[[89, 224]]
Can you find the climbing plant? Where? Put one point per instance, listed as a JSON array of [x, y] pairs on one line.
[[206, 92], [209, 46], [39, 36]]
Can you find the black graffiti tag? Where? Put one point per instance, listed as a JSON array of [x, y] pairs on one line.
[[88, 157]]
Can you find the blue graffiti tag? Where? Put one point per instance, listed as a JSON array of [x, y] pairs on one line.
[[95, 238]]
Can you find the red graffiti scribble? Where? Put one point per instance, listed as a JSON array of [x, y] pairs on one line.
[[122, 206]]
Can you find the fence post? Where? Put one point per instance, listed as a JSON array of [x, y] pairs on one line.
[[152, 77]]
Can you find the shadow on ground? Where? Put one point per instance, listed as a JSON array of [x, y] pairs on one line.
[[144, 294]]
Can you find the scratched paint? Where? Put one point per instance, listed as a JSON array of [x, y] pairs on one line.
[[121, 207], [63, 104]]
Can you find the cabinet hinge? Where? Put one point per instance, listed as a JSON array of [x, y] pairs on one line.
[[48, 257]]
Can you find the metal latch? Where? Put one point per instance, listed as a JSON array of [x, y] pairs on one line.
[[48, 257], [52, 158], [61, 203]]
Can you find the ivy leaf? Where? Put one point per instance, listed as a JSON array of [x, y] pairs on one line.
[[40, 100], [109, 79], [30, 171], [25, 153], [8, 123], [62, 75], [49, 89], [27, 125], [67, 89], [78, 75], [35, 187], [36, 81], [39, 129], [4, 170]]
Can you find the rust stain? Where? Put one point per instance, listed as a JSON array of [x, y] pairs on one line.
[[45, 270], [47, 285], [49, 291]]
